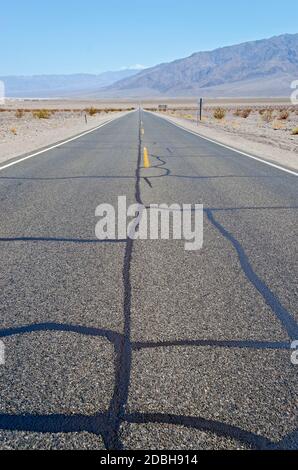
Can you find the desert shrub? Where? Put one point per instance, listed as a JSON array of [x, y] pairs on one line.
[[13, 131], [41, 114], [295, 131], [19, 113], [91, 111], [117, 110], [245, 113], [283, 115], [267, 116], [219, 113]]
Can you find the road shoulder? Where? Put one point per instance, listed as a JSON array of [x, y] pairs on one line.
[[23, 146], [269, 153]]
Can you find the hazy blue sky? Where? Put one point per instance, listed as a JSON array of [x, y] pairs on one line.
[[94, 35]]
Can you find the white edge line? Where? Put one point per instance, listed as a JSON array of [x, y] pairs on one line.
[[59, 144], [266, 162]]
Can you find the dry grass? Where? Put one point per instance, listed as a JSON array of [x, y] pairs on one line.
[[41, 114], [219, 113], [92, 111], [117, 110], [284, 115], [246, 112], [267, 115], [19, 113]]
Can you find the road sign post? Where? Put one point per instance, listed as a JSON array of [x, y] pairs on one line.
[[200, 110]]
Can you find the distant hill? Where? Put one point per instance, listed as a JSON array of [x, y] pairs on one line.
[[56, 86], [260, 68]]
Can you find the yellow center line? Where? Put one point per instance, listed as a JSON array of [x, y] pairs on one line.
[[146, 158]]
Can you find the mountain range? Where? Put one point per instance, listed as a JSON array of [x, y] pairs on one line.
[[61, 86], [259, 68], [263, 68]]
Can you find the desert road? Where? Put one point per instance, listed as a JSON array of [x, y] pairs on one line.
[[141, 344]]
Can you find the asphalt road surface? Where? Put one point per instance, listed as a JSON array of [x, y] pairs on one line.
[[141, 344]]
